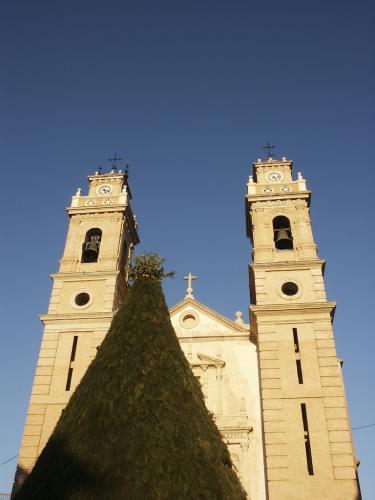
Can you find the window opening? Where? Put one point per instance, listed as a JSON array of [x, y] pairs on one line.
[[306, 434], [289, 288], [298, 356], [91, 245], [282, 233], [71, 363], [299, 371], [82, 299], [295, 338]]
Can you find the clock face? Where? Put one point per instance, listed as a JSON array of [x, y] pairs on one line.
[[274, 176], [104, 189]]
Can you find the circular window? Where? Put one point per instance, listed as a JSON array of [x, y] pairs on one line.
[[289, 288], [82, 299], [189, 319]]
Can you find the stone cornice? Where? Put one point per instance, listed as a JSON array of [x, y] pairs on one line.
[[291, 264], [294, 309], [222, 337], [235, 432], [105, 176], [50, 318], [98, 209], [79, 276], [305, 195]]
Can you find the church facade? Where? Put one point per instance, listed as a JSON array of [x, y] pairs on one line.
[[275, 386]]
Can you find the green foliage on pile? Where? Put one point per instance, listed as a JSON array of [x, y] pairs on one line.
[[136, 427], [149, 265]]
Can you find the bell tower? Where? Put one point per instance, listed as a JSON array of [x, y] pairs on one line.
[[87, 291], [307, 440]]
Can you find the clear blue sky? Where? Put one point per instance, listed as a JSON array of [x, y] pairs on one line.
[[187, 92]]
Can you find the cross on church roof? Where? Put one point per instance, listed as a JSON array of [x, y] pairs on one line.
[[269, 148], [189, 289]]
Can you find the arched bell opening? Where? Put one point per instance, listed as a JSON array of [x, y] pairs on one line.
[[282, 233], [91, 245]]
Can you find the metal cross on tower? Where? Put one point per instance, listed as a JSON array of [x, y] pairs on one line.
[[115, 159], [189, 289], [269, 148]]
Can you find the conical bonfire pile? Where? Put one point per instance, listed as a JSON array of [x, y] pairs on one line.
[[136, 427]]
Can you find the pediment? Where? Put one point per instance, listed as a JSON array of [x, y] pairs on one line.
[[190, 318], [204, 361]]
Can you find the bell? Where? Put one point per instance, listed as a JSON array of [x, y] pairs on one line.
[[283, 241], [91, 251]]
